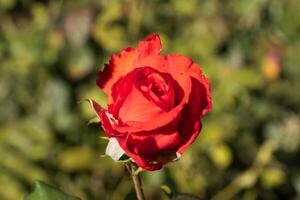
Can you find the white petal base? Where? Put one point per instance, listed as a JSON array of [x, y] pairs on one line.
[[114, 150]]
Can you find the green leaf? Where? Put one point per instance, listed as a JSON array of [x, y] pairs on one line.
[[43, 191]]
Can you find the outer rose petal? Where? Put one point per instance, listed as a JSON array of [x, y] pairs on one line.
[[118, 65], [189, 123], [186, 65], [151, 45], [192, 130], [154, 142], [206, 102], [145, 162], [121, 64]]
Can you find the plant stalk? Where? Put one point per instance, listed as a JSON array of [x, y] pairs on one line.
[[136, 181]]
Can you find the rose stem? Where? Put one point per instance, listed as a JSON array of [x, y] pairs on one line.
[[136, 181]]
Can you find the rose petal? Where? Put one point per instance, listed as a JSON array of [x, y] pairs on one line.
[[162, 120], [184, 64], [190, 133], [189, 124], [123, 88], [145, 162], [151, 45], [121, 64], [96, 107], [137, 108], [162, 140]]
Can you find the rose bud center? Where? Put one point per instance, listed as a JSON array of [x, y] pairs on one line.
[[146, 95], [156, 87]]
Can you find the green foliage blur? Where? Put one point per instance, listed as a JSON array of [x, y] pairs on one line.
[[43, 191], [51, 50]]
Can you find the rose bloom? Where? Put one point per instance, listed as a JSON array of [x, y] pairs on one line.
[[155, 102]]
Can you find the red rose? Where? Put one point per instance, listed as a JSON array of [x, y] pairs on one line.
[[155, 102]]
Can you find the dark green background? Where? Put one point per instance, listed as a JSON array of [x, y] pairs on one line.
[[50, 52]]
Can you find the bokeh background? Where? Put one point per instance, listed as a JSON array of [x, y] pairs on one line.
[[50, 52]]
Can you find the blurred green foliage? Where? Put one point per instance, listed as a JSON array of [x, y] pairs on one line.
[[50, 52], [43, 191]]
